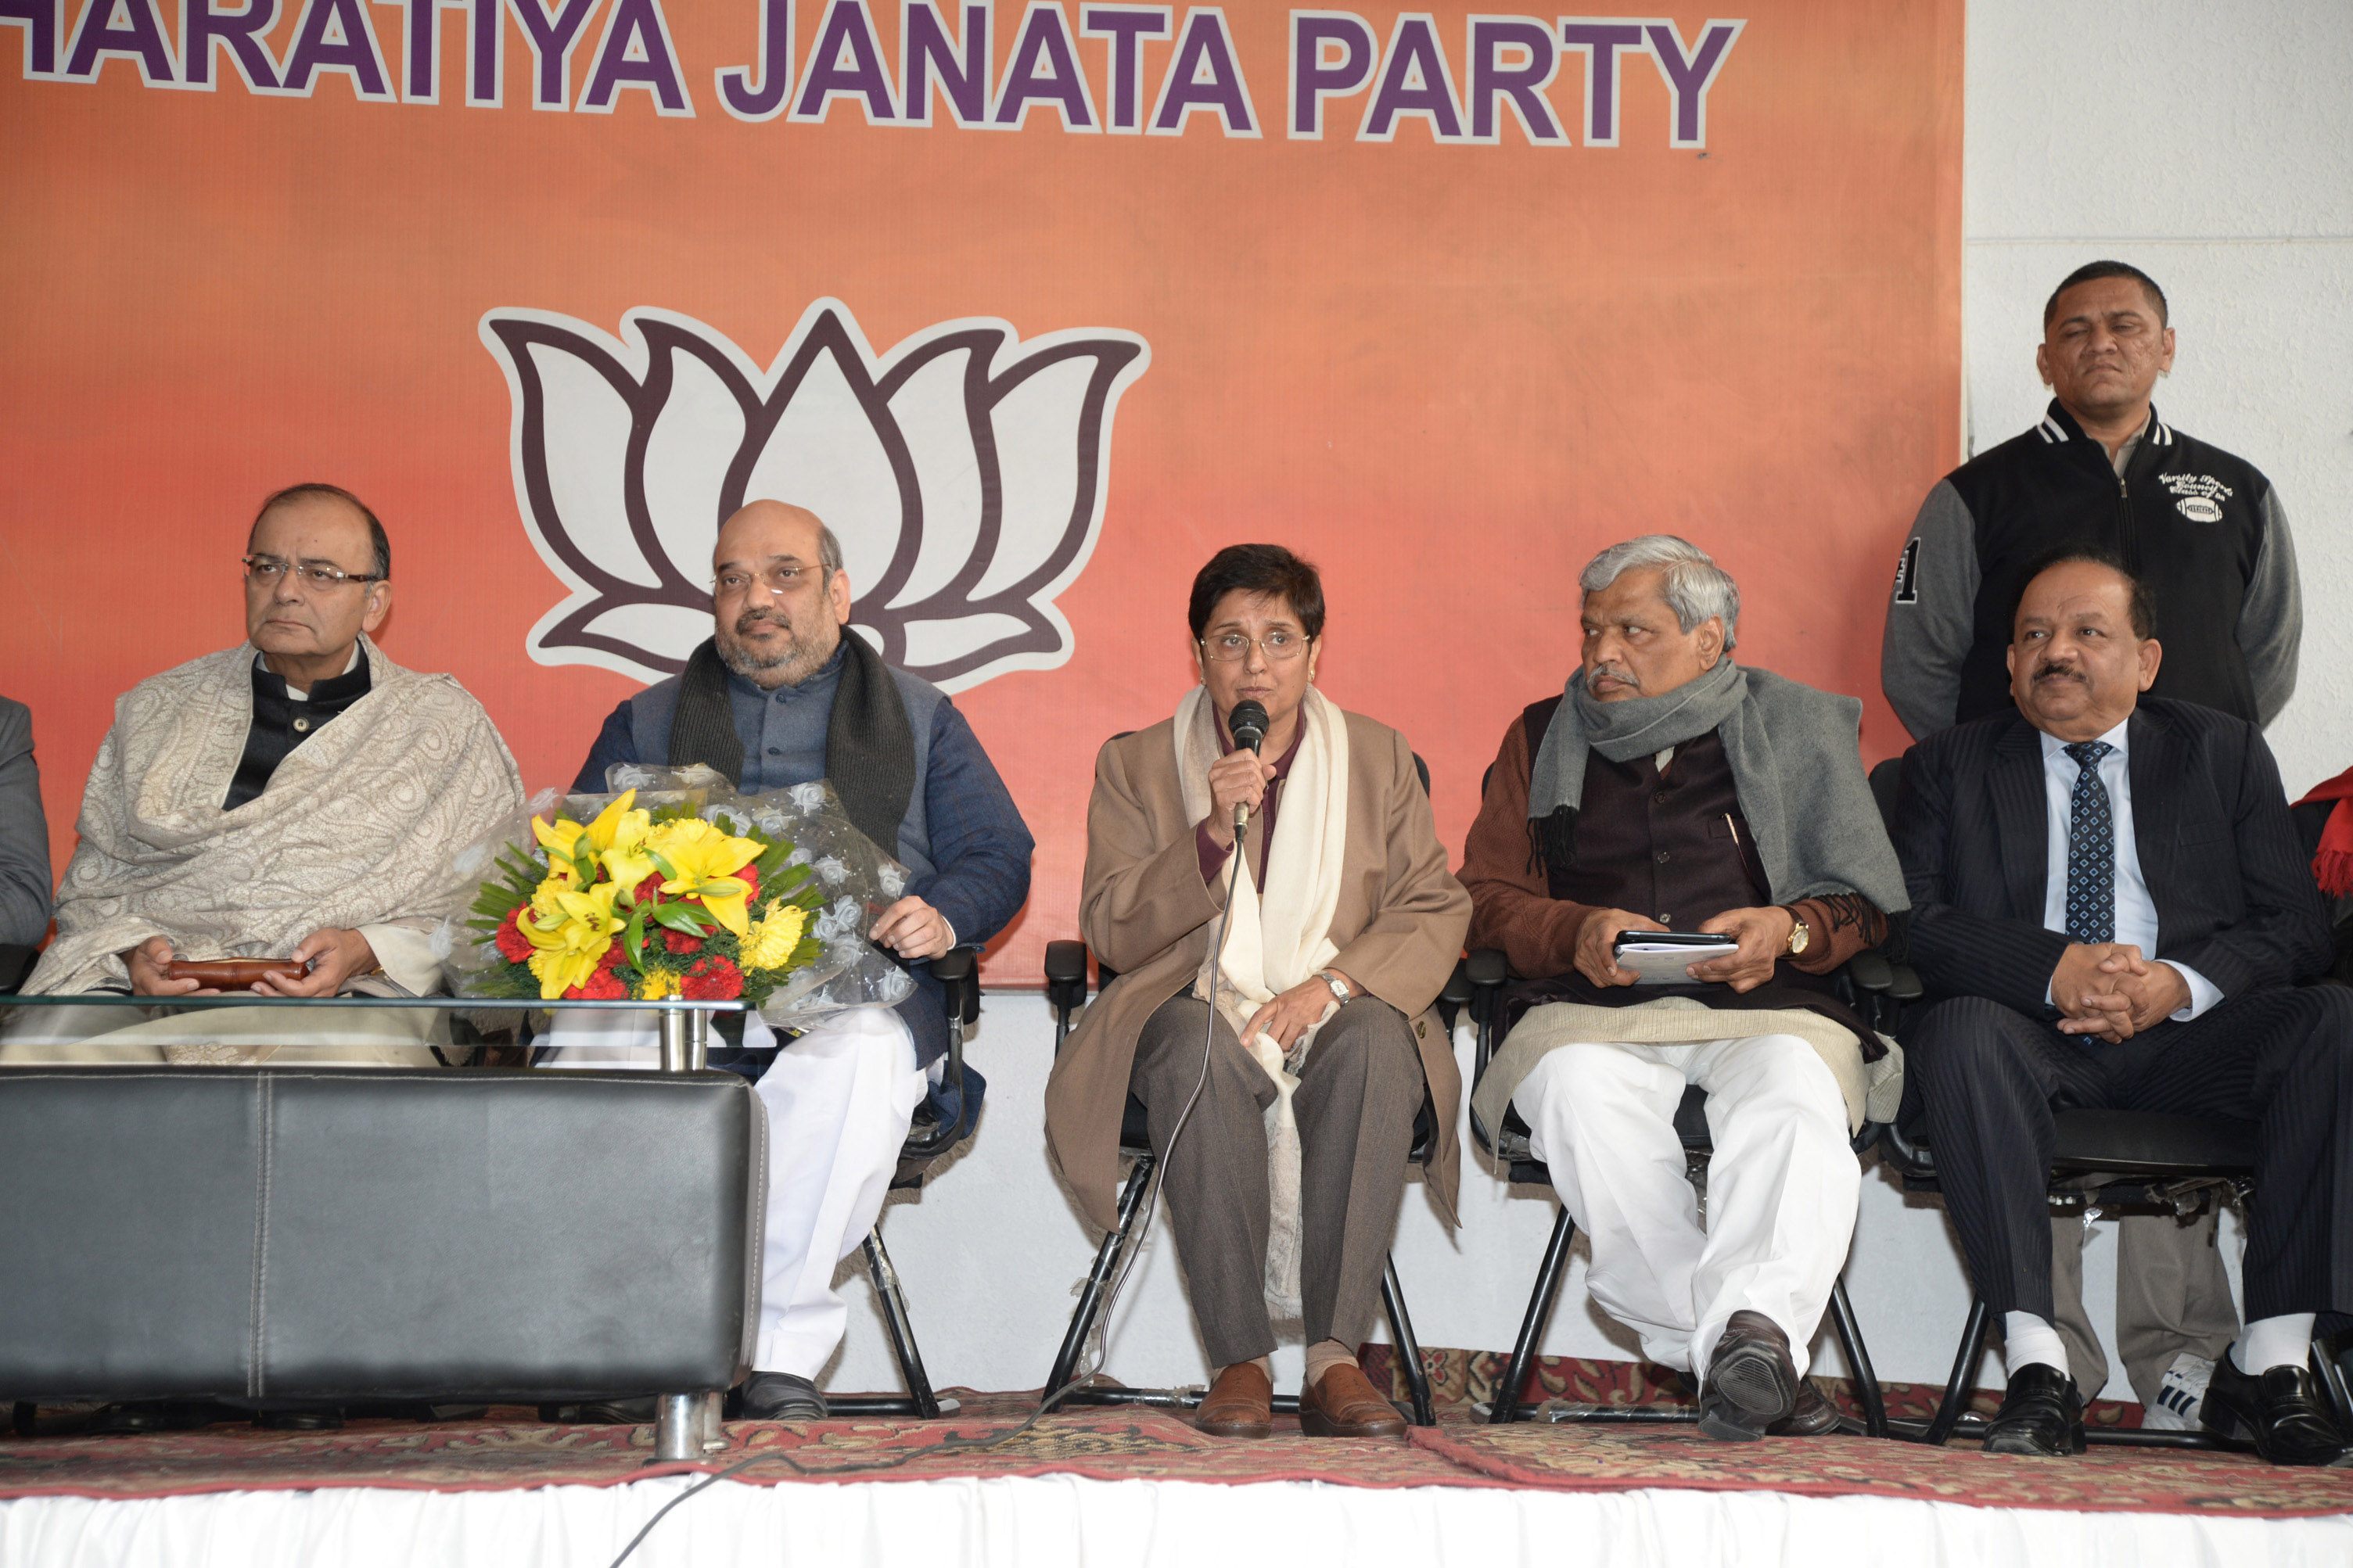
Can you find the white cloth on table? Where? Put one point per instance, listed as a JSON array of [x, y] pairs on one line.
[[1782, 1184], [89, 1034], [838, 1102]]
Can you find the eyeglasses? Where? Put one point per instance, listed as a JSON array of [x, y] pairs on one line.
[[775, 579], [1280, 646], [266, 570]]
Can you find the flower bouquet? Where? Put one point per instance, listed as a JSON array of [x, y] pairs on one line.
[[677, 887]]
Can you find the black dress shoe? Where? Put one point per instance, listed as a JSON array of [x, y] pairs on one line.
[[2283, 1413], [781, 1396], [1751, 1382], [1810, 1416], [2042, 1415]]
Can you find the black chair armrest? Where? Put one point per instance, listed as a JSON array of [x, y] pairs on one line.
[[1906, 987], [1066, 977], [957, 971], [1453, 996], [1485, 970], [1870, 971]]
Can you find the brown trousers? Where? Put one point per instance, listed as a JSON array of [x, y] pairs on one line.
[[2171, 1296], [1355, 1105]]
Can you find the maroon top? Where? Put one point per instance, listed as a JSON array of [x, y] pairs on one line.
[[1213, 854]]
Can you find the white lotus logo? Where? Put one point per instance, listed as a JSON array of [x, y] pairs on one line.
[[966, 493]]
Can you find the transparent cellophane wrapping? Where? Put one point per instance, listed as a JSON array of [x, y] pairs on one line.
[[857, 881]]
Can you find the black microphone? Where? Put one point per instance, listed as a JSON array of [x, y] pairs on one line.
[[1247, 723]]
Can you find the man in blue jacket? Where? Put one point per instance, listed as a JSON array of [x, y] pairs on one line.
[[782, 695]]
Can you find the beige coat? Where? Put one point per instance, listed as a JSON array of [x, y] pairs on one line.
[[1148, 914]]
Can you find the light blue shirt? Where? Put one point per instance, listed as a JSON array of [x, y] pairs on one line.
[[2135, 911]]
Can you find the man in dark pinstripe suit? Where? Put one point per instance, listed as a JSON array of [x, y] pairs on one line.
[[2110, 909]]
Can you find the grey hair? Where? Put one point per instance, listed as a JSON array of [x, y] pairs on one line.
[[828, 552], [1696, 587]]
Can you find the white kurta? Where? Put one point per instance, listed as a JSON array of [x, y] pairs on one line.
[[838, 1102], [1782, 1184]]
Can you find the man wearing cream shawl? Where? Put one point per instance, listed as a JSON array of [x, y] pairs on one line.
[[299, 796], [1284, 1184], [1670, 789]]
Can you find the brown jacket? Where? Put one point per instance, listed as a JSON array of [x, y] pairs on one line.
[[1538, 934], [1146, 912]]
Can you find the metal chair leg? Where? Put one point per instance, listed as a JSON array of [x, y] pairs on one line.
[[1108, 1258], [1858, 1361], [1402, 1341], [1506, 1408], [903, 1329], [1965, 1367]]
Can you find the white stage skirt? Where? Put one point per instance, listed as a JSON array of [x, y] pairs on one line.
[[1056, 1521]]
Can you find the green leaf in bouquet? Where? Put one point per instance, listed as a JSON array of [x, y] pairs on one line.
[[633, 940], [678, 919], [669, 867]]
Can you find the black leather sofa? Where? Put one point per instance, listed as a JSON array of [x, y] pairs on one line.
[[259, 1235]]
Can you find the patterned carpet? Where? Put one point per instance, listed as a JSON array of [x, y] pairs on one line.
[[1464, 1377], [510, 1449]]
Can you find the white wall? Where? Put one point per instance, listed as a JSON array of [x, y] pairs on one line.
[[2212, 146]]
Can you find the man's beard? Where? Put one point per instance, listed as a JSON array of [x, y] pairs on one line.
[[793, 661]]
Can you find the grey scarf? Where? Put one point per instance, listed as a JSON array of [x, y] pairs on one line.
[[870, 747], [1795, 763]]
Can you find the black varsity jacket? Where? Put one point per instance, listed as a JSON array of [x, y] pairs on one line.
[[2201, 528]]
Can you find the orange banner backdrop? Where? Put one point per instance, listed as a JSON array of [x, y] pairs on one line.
[[1038, 305]]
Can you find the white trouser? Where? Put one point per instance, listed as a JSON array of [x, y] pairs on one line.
[[1781, 1186], [839, 1100]]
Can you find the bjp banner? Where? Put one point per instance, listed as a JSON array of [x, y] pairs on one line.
[[1038, 305]]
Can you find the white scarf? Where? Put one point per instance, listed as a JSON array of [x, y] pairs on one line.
[[1276, 939], [357, 827]]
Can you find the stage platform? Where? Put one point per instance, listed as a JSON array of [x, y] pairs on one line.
[[1139, 1485]]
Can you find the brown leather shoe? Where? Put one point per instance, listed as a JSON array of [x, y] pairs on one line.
[[1812, 1417], [1241, 1404], [1345, 1404], [1751, 1382]]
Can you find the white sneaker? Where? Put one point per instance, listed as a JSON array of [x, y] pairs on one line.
[[2179, 1398]]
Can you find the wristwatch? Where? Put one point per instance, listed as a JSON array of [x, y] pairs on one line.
[[1340, 992], [1799, 936]]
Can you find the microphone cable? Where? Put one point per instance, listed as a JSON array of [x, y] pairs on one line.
[[1098, 1341]]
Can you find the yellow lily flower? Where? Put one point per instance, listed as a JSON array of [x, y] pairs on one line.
[[706, 860], [571, 929]]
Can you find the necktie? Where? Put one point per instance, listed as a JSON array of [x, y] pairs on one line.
[[2091, 849]]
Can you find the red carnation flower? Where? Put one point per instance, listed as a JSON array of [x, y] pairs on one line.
[[751, 878], [650, 890], [712, 978], [678, 941], [615, 956], [602, 986], [514, 945]]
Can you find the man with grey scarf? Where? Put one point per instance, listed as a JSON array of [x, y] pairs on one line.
[[1669, 789]]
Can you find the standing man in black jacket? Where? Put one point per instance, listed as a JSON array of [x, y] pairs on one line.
[[2201, 528], [2111, 909], [2204, 531]]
